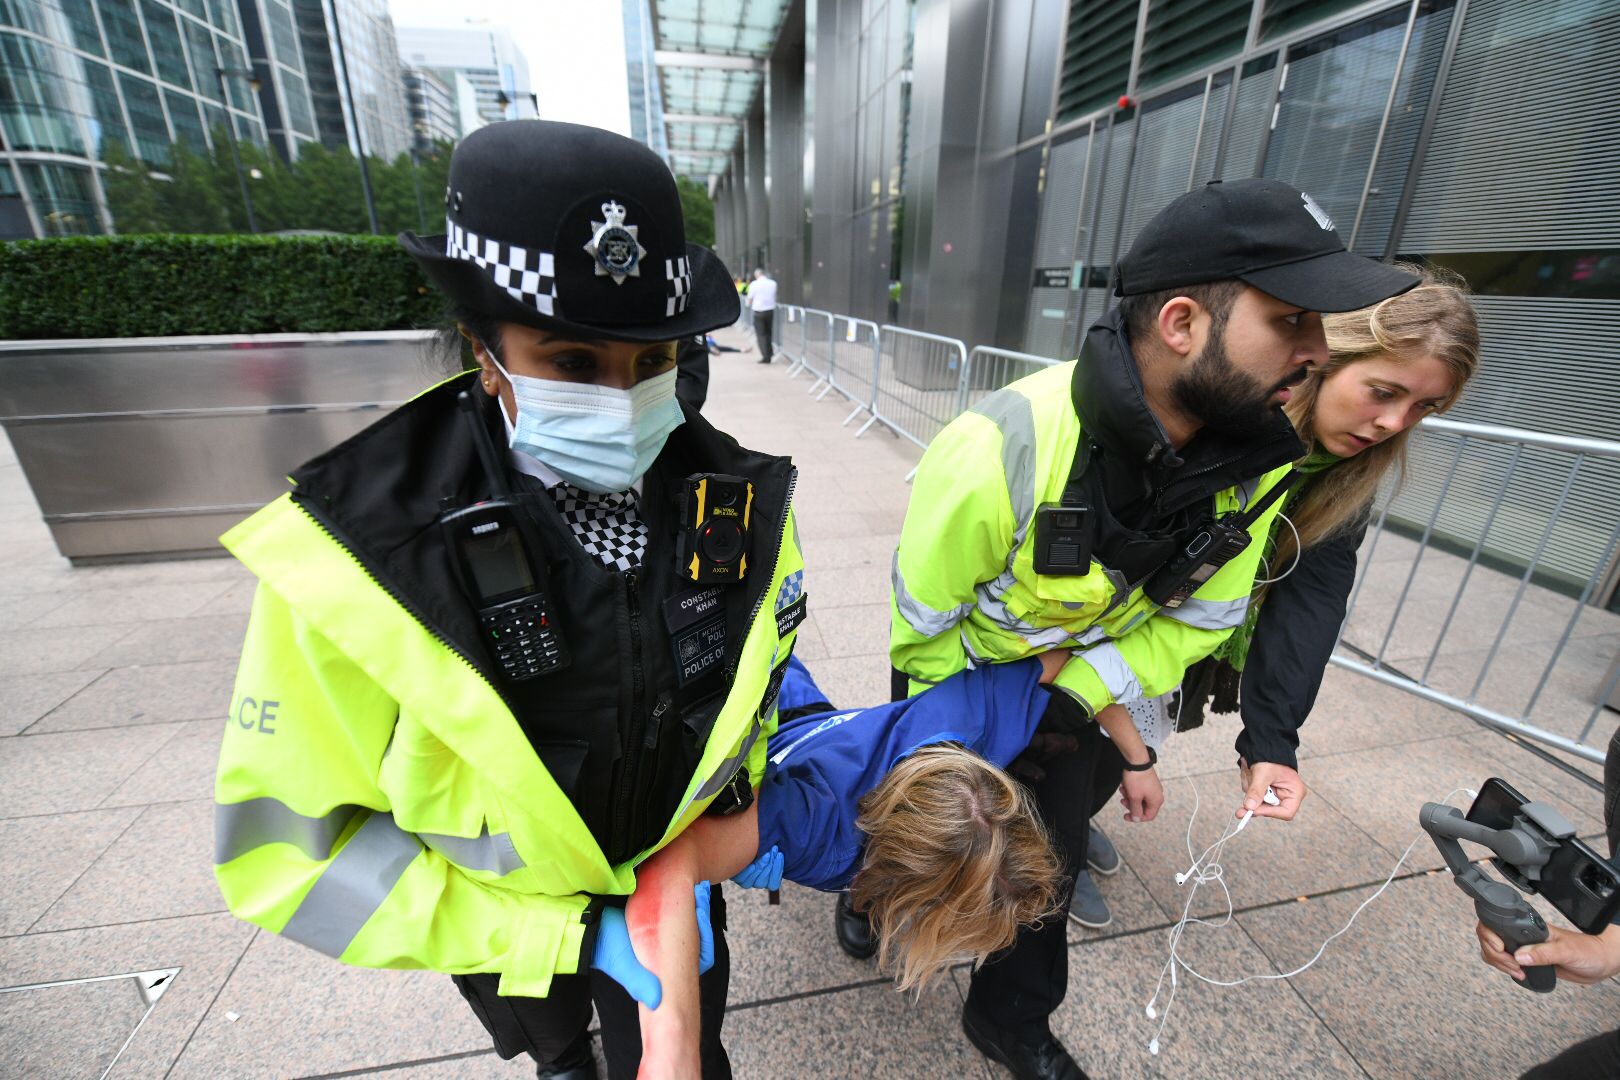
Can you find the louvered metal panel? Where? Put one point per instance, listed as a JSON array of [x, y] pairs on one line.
[[1096, 55], [1330, 111], [1185, 35], [1107, 203], [1400, 137], [1550, 365], [1164, 147], [1051, 310], [1250, 118], [1526, 149]]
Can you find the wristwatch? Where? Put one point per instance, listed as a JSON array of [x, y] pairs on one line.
[[1153, 759]]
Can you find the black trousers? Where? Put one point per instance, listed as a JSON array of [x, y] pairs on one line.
[[763, 321], [1597, 1058], [1019, 989], [554, 1028]]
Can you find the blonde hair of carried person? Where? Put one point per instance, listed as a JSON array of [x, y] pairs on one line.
[[1435, 319], [956, 860]]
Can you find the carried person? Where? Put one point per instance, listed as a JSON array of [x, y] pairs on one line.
[[905, 804], [1117, 506], [524, 630]]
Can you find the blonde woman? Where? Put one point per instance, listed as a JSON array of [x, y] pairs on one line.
[[903, 804], [1389, 366]]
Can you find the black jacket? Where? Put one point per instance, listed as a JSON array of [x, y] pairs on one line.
[[1299, 623], [621, 729]]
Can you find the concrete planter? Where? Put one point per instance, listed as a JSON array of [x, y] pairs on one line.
[[152, 447]]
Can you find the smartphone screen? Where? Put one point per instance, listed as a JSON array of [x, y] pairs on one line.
[[1579, 882]]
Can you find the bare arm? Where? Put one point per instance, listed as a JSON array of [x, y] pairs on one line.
[[663, 929]]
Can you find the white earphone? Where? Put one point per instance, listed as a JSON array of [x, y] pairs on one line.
[[1206, 868]]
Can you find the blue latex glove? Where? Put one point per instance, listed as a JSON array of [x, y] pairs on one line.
[[616, 958], [764, 872], [700, 894]]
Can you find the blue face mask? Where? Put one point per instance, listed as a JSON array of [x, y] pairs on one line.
[[597, 438]]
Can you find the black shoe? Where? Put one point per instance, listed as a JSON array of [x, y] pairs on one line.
[[575, 1063], [854, 930], [1042, 1060], [764, 361]]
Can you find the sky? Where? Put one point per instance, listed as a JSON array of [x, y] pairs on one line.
[[575, 50]]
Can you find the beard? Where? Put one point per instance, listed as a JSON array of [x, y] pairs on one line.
[[1224, 398]]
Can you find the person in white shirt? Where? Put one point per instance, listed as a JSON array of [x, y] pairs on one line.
[[762, 302]]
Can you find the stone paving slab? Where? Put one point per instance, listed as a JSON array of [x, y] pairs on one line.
[[104, 833]]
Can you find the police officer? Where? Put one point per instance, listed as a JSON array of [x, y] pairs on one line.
[[1170, 418], [401, 789]]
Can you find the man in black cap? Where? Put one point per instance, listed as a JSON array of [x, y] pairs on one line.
[[1074, 510]]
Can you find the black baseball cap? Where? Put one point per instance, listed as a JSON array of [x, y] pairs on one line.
[[1264, 233]]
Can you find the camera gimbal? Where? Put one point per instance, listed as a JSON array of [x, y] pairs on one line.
[[1524, 849]]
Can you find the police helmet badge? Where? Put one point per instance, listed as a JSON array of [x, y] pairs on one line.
[[614, 245]]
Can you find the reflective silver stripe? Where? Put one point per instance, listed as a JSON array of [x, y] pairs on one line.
[[728, 768], [1210, 614], [1115, 673], [925, 620], [482, 852], [241, 827], [1014, 416], [353, 886]]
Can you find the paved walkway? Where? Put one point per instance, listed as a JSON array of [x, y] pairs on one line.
[[113, 681]]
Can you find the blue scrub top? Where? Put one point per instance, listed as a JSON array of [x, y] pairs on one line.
[[821, 765]]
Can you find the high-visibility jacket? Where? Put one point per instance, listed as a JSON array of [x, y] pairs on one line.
[[965, 590], [376, 797]]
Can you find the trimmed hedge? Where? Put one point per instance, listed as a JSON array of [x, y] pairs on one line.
[[167, 285]]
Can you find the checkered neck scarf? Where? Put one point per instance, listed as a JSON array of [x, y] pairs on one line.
[[606, 526]]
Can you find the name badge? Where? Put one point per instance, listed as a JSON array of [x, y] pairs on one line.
[[692, 606], [789, 618]]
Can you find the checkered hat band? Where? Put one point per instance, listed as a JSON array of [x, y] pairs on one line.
[[529, 277], [608, 527], [678, 272]]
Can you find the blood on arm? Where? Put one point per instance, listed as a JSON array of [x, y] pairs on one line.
[[662, 921]]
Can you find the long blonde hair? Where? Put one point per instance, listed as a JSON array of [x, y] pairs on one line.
[[956, 860], [1434, 319]]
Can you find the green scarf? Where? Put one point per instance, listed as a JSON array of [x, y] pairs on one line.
[[1235, 649]]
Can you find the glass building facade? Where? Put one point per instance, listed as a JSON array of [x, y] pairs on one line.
[[78, 76]]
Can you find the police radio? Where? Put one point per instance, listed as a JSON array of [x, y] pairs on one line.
[[499, 568], [1208, 549], [716, 516]]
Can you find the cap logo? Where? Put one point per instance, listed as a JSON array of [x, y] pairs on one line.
[[1317, 212], [614, 245]]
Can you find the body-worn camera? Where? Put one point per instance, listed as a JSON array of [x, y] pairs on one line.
[[716, 515], [1063, 539]]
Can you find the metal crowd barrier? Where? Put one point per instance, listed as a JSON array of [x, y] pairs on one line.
[[816, 354], [916, 383], [988, 370], [853, 370], [1523, 622], [788, 332]]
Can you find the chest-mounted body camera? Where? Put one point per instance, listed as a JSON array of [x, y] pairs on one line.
[[716, 516], [500, 569], [1066, 531]]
